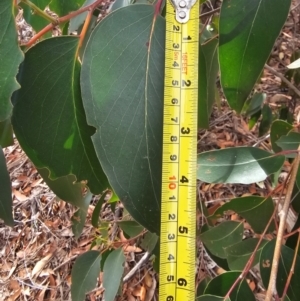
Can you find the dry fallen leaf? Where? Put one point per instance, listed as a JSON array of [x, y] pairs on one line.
[[40, 265], [16, 295], [143, 293], [21, 197], [148, 279]]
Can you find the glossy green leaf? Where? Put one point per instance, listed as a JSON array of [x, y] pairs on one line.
[[131, 228], [10, 57], [6, 133], [244, 25], [149, 241], [5, 192], [78, 218], [242, 165], [64, 187], [221, 262], [104, 257], [211, 298], [121, 3], [254, 104], [97, 209], [290, 141], [239, 253], [208, 33], [221, 284], [278, 128], [222, 236], [50, 122], [208, 69], [202, 285], [84, 275], [77, 21], [253, 119], [266, 120], [284, 267], [63, 7], [123, 98], [36, 21], [112, 273], [255, 209], [156, 253]]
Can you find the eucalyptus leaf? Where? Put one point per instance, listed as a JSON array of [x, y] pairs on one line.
[[50, 123], [202, 285], [254, 119], [64, 187], [5, 192], [291, 141], [112, 273], [77, 21], [149, 241], [254, 104], [279, 128], [131, 228], [211, 298], [284, 268], [121, 3], [10, 57], [222, 236], [244, 165], [221, 284], [239, 253], [123, 98], [208, 69], [63, 7], [255, 209], [243, 26], [84, 275], [79, 217], [6, 133], [266, 120], [97, 209]]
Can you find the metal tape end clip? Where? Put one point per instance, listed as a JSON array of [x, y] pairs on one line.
[[183, 8]]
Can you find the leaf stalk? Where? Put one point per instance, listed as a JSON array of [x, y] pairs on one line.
[[39, 11], [62, 20]]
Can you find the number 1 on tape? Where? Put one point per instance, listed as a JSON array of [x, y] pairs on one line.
[[178, 210]]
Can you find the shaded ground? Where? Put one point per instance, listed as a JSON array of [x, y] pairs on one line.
[[37, 254]]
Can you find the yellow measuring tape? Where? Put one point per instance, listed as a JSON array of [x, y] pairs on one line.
[[178, 211]]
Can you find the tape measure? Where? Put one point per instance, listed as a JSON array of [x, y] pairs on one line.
[[178, 210]]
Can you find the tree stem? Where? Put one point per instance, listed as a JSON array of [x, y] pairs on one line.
[[280, 233]]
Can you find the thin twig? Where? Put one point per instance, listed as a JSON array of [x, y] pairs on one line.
[[287, 82], [280, 233], [209, 13], [65, 262], [136, 267]]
